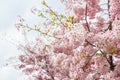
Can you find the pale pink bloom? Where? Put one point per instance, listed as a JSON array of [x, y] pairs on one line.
[[79, 12], [114, 9]]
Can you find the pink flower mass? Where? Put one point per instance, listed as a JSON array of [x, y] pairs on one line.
[[78, 45]]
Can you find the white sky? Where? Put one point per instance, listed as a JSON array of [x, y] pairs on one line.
[[9, 11]]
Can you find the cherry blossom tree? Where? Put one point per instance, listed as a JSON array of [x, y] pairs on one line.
[[82, 44]]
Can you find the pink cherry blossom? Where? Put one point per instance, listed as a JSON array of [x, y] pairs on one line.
[[85, 46]]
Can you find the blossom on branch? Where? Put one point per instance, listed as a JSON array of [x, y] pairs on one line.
[[78, 45]]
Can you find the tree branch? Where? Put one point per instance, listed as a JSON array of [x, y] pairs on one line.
[[112, 66], [109, 60], [110, 23], [86, 19]]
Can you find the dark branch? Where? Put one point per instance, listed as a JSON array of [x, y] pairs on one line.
[[109, 60], [110, 23], [112, 66], [86, 19]]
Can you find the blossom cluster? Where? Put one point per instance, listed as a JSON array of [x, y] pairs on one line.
[[84, 45]]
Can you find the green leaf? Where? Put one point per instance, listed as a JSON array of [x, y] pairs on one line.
[[70, 19], [84, 56], [97, 53], [66, 25], [54, 19], [113, 49], [40, 14], [51, 13], [37, 28], [43, 3], [47, 31], [62, 16]]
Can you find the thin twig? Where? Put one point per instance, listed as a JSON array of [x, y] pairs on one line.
[[55, 15], [40, 31]]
